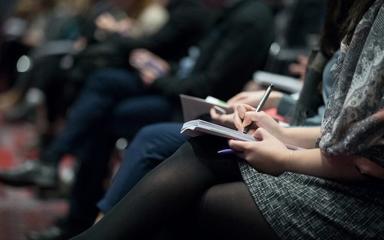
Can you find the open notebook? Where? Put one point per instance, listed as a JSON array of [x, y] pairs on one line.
[[198, 127]]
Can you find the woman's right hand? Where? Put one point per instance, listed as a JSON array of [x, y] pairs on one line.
[[222, 119], [246, 115]]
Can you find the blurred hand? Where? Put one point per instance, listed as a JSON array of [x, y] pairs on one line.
[[80, 44], [149, 65], [222, 119], [253, 99], [107, 22], [267, 154], [300, 67], [246, 115]]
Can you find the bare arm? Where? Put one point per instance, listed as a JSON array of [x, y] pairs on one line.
[[270, 155], [304, 137], [312, 162]]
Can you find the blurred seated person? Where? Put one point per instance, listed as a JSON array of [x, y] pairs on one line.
[[264, 188], [57, 88], [150, 16], [31, 26], [156, 142], [79, 19], [118, 102]]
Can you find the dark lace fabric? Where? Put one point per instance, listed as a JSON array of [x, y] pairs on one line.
[[304, 207]]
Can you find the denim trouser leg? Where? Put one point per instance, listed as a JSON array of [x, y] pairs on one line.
[[88, 187], [102, 92], [93, 156], [151, 146]]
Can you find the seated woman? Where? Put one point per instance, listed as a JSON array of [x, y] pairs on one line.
[[332, 189], [155, 143]]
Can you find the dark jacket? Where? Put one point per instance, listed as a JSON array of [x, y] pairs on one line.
[[188, 22], [236, 46]]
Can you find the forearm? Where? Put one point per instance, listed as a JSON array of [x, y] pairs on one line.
[[304, 137], [312, 162]]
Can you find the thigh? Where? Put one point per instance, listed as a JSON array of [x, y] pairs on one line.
[[227, 211], [156, 142], [151, 146], [132, 114], [117, 83]]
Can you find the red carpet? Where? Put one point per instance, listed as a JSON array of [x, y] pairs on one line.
[[20, 210]]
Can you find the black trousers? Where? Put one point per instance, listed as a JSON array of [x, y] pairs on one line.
[[193, 194]]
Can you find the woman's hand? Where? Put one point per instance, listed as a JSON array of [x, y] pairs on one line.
[[253, 98], [267, 154], [222, 119], [246, 115]]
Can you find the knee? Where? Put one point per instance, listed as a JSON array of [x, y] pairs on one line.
[[156, 131], [209, 205], [220, 201], [98, 79], [156, 143], [148, 132]]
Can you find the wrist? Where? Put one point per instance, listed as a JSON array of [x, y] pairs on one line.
[[288, 159], [282, 134]]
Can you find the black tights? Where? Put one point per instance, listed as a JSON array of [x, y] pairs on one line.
[[194, 190]]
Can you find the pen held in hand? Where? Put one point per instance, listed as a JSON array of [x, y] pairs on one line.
[[260, 105], [226, 151]]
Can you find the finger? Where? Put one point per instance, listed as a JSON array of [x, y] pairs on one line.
[[240, 111], [147, 76], [252, 117], [248, 119], [237, 120], [238, 146], [214, 114], [248, 107]]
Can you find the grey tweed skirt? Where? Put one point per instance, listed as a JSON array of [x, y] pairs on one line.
[[304, 207]]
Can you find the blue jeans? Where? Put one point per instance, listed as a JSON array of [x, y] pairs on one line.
[[110, 95], [114, 104], [151, 146]]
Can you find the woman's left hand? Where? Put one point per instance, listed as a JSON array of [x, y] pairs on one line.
[[267, 154]]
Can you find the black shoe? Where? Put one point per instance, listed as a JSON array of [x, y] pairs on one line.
[[52, 233], [30, 173]]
